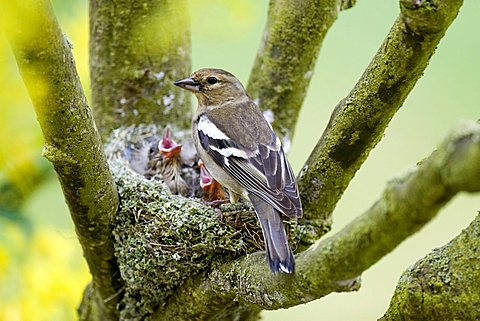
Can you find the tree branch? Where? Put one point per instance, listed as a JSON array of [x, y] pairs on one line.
[[359, 120], [443, 285], [20, 183], [335, 264], [286, 58], [72, 143], [137, 50]]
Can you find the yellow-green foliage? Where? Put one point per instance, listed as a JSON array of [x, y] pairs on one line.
[[20, 136], [41, 274], [42, 271]]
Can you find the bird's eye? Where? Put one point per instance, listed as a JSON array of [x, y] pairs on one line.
[[212, 80]]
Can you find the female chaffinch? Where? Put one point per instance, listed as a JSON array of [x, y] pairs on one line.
[[241, 151]]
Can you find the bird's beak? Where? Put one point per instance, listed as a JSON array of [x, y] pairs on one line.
[[189, 84], [167, 146], [206, 180]]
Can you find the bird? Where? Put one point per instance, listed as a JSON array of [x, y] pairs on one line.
[[213, 192], [242, 152], [168, 162]]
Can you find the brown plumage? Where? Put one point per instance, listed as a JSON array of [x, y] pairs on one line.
[[241, 151]]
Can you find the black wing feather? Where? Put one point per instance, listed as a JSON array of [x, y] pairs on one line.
[[266, 173]]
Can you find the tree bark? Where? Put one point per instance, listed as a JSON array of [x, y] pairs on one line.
[[72, 143], [444, 285], [359, 120], [137, 51], [286, 57]]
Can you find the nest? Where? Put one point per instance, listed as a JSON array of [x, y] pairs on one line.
[[163, 239]]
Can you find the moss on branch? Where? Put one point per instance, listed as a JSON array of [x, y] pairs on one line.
[[72, 143], [137, 50], [196, 300], [286, 57], [335, 264], [359, 120], [444, 285]]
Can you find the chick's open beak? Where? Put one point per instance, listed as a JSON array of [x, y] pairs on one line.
[[188, 83], [167, 146]]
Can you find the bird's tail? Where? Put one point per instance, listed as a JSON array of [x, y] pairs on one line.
[[279, 255]]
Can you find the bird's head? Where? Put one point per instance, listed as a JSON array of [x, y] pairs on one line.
[[213, 87], [168, 147]]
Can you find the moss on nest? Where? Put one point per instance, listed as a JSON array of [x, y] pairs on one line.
[[163, 239]]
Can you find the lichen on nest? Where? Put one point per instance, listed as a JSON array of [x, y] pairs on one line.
[[162, 239]]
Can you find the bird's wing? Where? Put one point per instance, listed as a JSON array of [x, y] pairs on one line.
[[262, 169]]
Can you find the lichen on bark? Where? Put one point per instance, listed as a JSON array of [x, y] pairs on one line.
[[286, 57], [72, 143], [137, 50], [360, 119], [444, 285]]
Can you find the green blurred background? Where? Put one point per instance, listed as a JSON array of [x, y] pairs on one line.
[[42, 273]]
